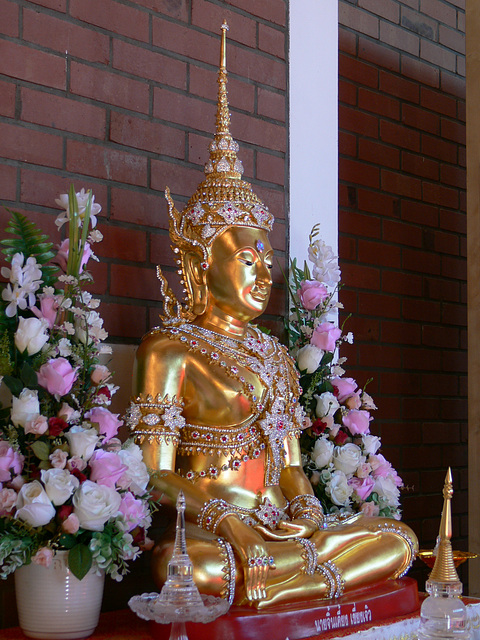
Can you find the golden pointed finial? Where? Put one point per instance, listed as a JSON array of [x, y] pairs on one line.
[[223, 48], [444, 568]]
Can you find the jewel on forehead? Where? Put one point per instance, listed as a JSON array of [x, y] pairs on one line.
[[260, 246]]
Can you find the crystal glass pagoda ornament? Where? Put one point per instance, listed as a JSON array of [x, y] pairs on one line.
[[443, 614], [179, 600]]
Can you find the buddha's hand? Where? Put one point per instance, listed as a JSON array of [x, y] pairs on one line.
[[253, 552], [300, 528]]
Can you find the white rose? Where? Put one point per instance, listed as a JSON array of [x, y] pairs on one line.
[[338, 489], [31, 335], [82, 441], [322, 452], [59, 485], [136, 476], [94, 504], [25, 408], [33, 505], [308, 358], [388, 490], [347, 457], [371, 444], [327, 404]]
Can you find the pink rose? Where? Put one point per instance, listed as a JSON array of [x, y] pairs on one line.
[[363, 487], [43, 557], [345, 387], [108, 423], [8, 499], [57, 376], [312, 293], [17, 483], [357, 421], [71, 524], [11, 462], [38, 425], [364, 470], [58, 459], [48, 310], [106, 468], [100, 374], [325, 336], [370, 509], [134, 511], [66, 412], [380, 466], [353, 401], [76, 464]]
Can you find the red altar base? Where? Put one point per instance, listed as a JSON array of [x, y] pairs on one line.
[[307, 619]]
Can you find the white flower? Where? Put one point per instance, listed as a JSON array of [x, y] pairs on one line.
[[82, 200], [65, 346], [95, 236], [367, 402], [325, 263], [388, 490], [136, 476], [31, 335], [338, 489], [309, 357], [82, 441], [90, 328], [371, 444], [59, 484], [94, 504], [25, 408], [322, 452], [327, 404], [349, 337], [34, 506], [347, 457]]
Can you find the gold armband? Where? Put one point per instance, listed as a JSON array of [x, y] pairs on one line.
[[156, 419], [212, 513], [307, 507]]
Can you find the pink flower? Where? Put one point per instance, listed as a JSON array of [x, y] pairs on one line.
[[370, 509], [71, 524], [380, 466], [43, 557], [76, 464], [312, 293], [108, 422], [353, 401], [363, 487], [57, 376], [134, 511], [357, 421], [8, 499], [325, 336], [345, 387], [66, 412], [48, 310], [106, 468], [363, 470], [11, 462], [58, 459], [38, 425], [62, 255], [100, 374]]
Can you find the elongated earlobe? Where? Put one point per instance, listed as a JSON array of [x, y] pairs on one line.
[[196, 281]]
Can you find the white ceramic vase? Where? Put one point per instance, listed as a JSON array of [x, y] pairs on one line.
[[52, 603]]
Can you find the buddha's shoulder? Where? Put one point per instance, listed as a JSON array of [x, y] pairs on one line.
[[160, 341]]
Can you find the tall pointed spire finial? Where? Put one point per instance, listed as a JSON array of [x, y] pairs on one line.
[[444, 568]]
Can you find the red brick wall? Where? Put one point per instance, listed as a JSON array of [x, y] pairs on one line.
[[402, 237], [121, 97]]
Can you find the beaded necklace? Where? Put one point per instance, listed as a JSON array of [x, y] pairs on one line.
[[275, 414]]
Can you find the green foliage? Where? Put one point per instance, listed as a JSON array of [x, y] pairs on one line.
[[30, 241], [80, 560]]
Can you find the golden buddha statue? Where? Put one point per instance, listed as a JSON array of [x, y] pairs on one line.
[[217, 415]]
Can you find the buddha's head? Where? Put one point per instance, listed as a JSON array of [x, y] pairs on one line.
[[220, 238]]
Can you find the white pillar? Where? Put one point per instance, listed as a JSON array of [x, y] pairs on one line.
[[313, 123]]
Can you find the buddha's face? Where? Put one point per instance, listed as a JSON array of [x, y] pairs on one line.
[[239, 278]]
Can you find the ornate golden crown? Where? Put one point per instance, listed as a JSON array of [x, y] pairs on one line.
[[221, 201]]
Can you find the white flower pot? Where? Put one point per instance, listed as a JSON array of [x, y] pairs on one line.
[[52, 603]]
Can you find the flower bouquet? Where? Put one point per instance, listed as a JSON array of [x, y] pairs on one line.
[[66, 480], [340, 455]]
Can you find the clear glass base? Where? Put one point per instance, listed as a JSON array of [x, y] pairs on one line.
[[443, 614]]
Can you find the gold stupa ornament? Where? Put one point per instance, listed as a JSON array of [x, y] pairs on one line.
[[221, 201], [443, 613]]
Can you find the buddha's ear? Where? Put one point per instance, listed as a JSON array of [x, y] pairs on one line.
[[196, 281]]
